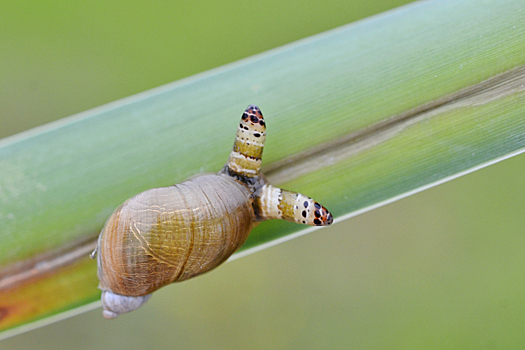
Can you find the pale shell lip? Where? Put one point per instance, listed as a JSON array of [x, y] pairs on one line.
[[108, 315], [116, 304]]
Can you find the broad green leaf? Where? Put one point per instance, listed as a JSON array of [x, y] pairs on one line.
[[356, 117]]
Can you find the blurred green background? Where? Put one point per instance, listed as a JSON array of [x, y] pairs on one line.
[[440, 269], [58, 58]]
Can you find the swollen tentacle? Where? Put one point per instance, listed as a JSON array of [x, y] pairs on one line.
[[275, 203], [245, 158]]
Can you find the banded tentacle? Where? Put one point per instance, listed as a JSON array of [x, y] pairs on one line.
[[170, 234], [245, 157], [275, 203]]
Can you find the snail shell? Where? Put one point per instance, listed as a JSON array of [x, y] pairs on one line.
[[170, 234], [173, 233]]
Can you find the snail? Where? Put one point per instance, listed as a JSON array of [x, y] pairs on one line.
[[174, 233]]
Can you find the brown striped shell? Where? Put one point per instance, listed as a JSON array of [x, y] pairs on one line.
[[170, 234]]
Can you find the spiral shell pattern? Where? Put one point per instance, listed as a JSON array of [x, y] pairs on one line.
[[173, 233]]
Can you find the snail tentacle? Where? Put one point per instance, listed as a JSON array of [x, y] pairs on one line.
[[245, 157], [275, 203]]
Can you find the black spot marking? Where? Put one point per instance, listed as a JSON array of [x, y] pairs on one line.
[[244, 116], [317, 214], [254, 119], [257, 134], [317, 205], [240, 126], [304, 213], [317, 221], [304, 222], [305, 204], [261, 121], [296, 207], [245, 128]]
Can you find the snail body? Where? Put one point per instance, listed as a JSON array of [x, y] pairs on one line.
[[174, 233]]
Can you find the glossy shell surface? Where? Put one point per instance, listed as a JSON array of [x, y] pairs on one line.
[[170, 234]]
